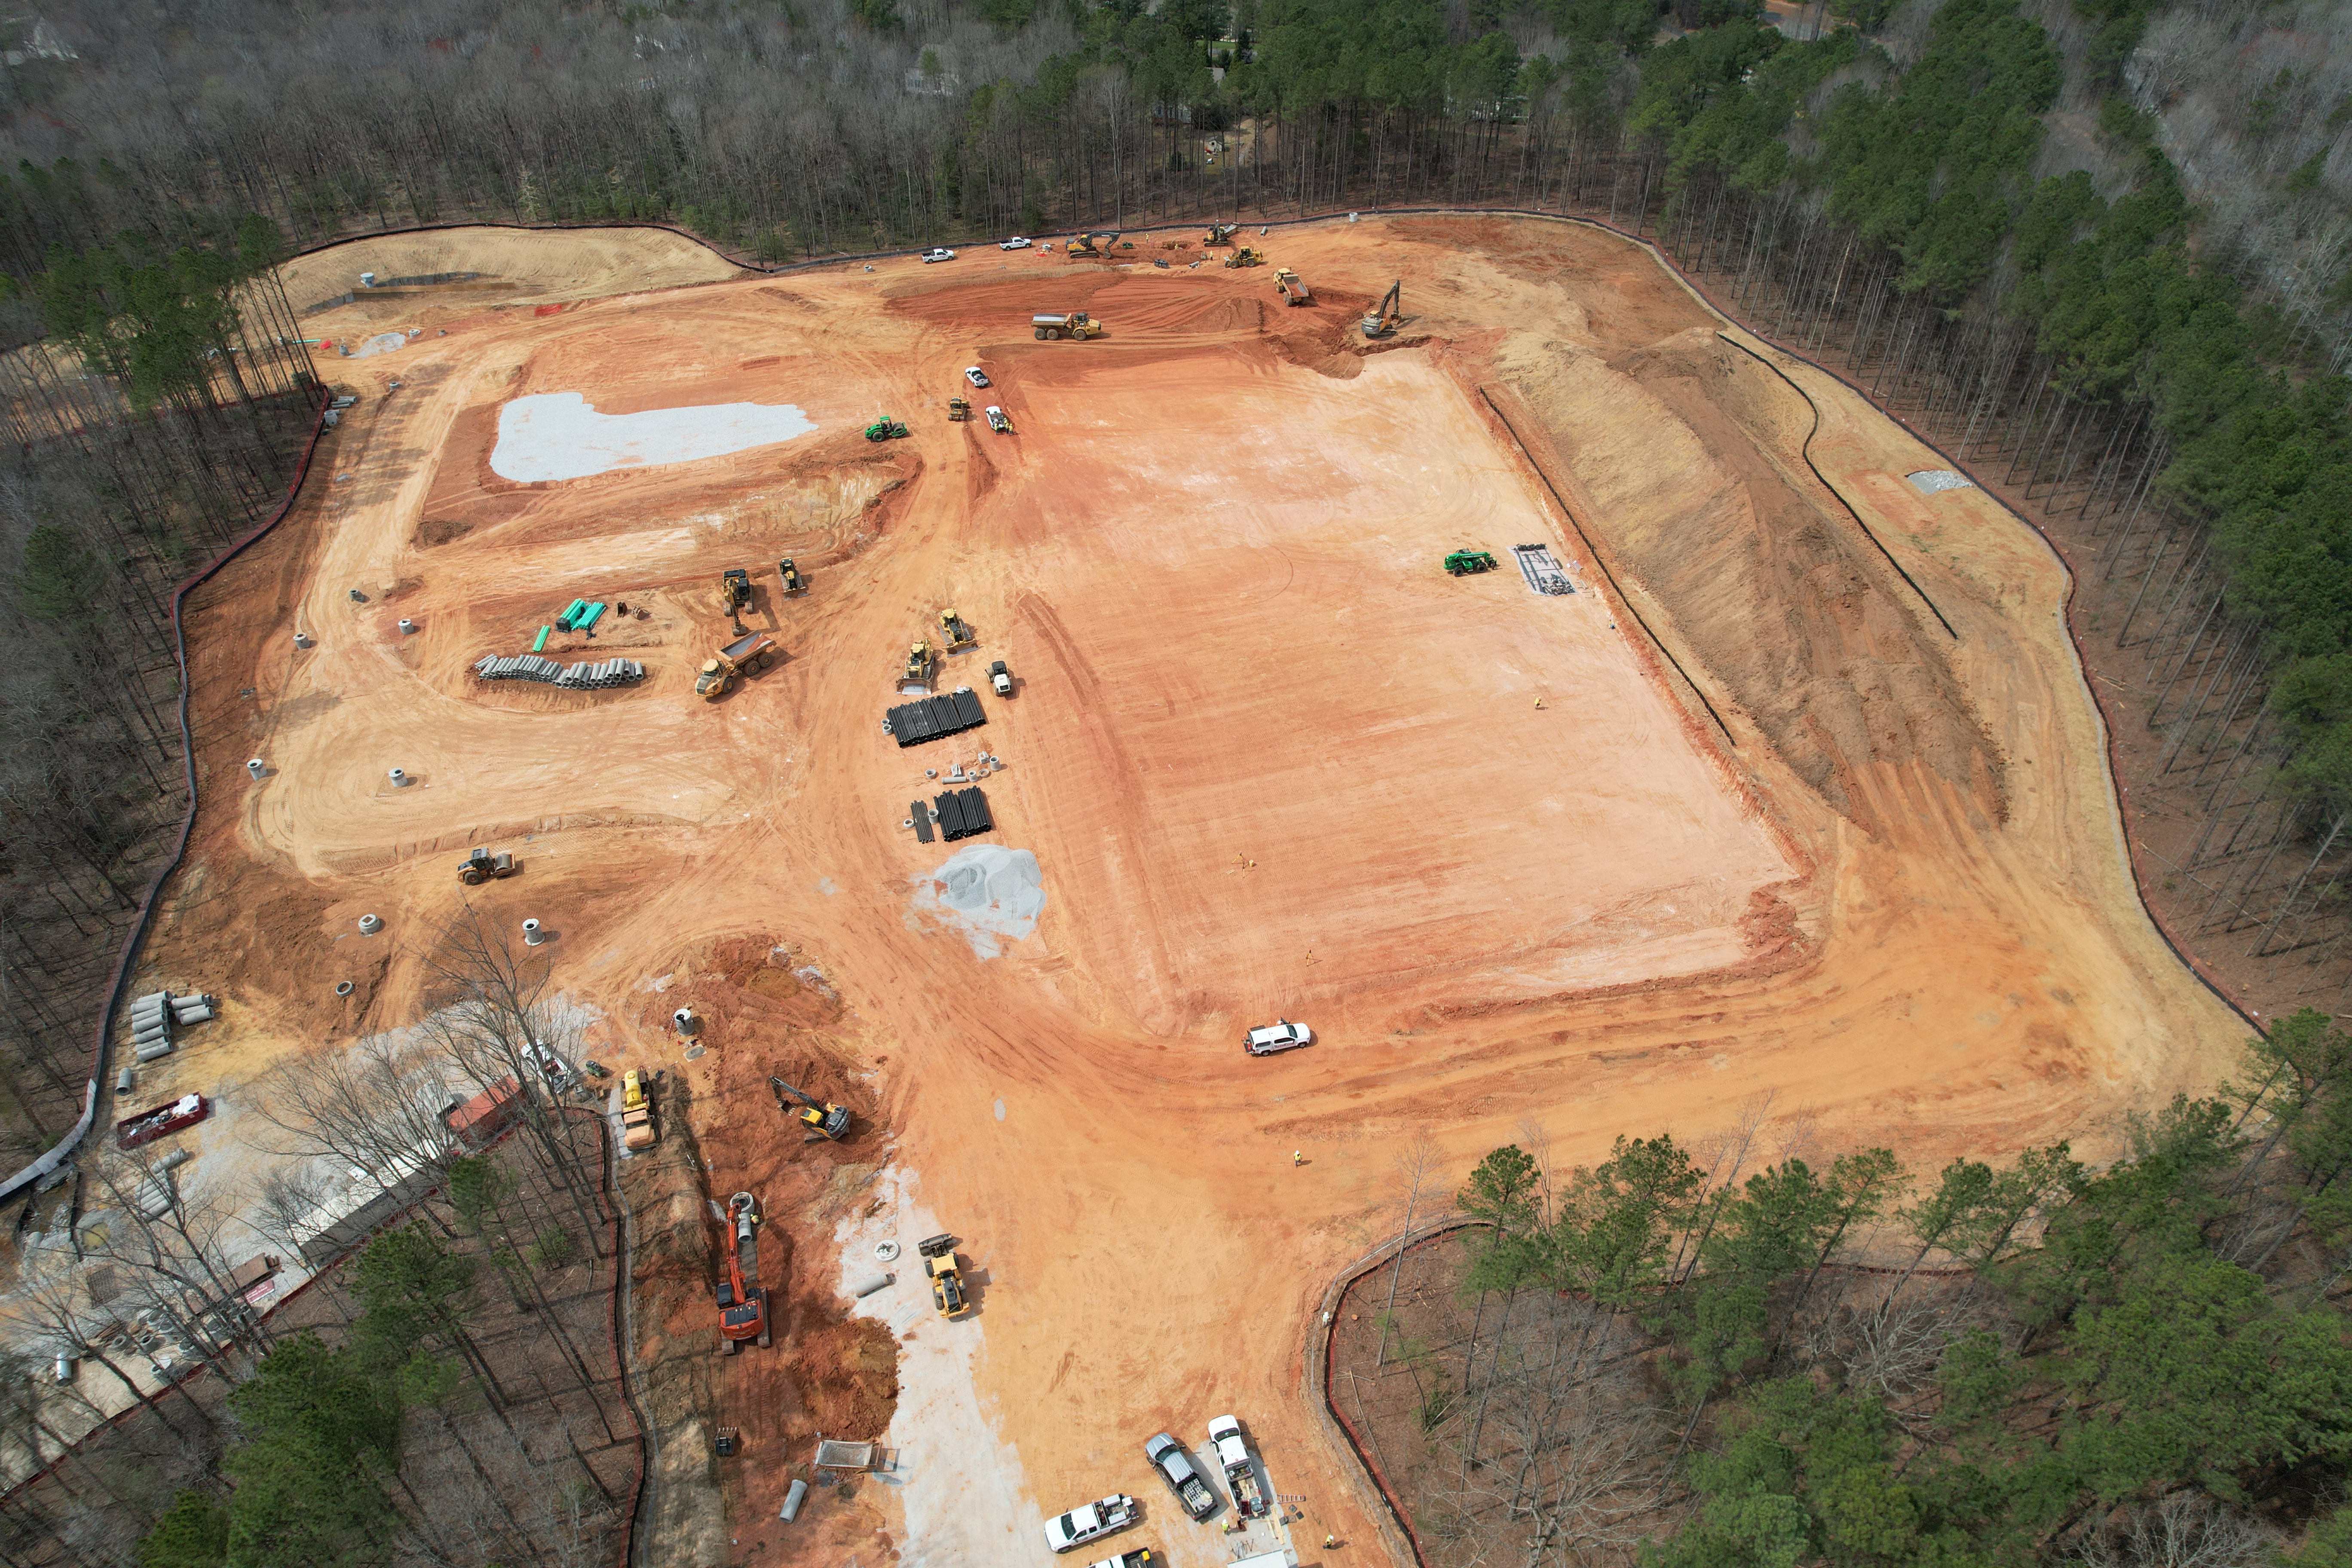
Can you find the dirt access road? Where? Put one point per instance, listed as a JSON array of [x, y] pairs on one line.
[[1268, 758]]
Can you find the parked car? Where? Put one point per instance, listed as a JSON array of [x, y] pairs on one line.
[[1015, 243], [1183, 1477], [975, 375], [1282, 1034], [1092, 1522], [939, 253]]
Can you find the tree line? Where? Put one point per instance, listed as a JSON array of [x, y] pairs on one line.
[[156, 403], [1707, 1360]]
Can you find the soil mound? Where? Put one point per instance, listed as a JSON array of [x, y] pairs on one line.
[[1783, 598]]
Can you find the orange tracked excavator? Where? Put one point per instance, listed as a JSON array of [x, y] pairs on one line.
[[742, 1302]]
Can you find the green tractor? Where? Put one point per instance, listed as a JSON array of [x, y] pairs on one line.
[[1462, 562], [885, 429]]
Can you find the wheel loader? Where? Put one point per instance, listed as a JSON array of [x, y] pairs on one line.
[[947, 1293], [1245, 256], [822, 1120], [885, 429], [957, 631]]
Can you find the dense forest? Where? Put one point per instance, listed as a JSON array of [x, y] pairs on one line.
[[1730, 1355], [2102, 248]]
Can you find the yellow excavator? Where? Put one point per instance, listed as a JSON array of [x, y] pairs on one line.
[[823, 1121], [1095, 244], [1387, 313], [1220, 233]]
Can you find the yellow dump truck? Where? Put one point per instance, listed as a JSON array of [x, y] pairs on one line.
[[746, 655], [637, 1112]]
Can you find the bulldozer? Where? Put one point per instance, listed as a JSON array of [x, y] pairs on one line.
[[823, 1121], [746, 655], [885, 429], [1387, 313], [742, 1301], [1096, 244], [957, 631], [921, 662], [947, 1293], [790, 576], [1245, 256], [479, 864], [959, 409], [637, 1112], [1219, 234]]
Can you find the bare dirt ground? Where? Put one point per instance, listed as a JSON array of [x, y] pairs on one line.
[[1269, 758]]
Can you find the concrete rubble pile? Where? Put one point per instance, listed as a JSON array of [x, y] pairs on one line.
[[573, 678]]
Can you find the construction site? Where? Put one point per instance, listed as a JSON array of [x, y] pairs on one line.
[[1041, 776]]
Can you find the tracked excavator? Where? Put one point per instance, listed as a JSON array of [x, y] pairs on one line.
[[827, 1121], [742, 1301], [1388, 313], [1219, 234]]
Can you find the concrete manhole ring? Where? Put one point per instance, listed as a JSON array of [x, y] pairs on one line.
[[885, 1250], [343, 988]]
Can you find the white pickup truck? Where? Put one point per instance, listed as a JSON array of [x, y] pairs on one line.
[[1091, 1522], [1241, 1470]]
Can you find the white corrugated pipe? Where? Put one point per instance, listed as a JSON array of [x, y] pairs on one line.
[[793, 1500]]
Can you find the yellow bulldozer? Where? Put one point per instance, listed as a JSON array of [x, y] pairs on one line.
[[1245, 256], [921, 662], [959, 408], [956, 631]]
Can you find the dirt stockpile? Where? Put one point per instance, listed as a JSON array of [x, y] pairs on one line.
[[1707, 503], [1267, 759]]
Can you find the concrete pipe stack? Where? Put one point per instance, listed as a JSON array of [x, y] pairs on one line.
[[157, 1015], [584, 677], [151, 1026]]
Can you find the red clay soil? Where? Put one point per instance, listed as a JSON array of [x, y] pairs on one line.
[[1271, 761]]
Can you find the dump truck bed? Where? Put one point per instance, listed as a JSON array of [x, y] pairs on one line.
[[742, 648]]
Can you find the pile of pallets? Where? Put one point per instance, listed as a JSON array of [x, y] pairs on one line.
[[573, 677]]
